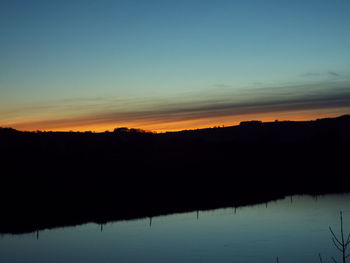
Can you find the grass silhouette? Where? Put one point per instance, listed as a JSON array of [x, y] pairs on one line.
[[339, 242]]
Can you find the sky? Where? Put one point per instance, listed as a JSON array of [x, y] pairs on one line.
[[171, 65]]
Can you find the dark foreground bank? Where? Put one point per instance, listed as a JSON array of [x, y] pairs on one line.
[[53, 179]]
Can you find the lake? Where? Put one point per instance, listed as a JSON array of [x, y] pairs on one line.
[[296, 229]]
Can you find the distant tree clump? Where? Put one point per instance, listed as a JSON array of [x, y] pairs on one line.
[[250, 123], [128, 130]]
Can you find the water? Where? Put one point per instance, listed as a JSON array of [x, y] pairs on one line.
[[294, 229]]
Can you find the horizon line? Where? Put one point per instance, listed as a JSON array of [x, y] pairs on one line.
[[176, 130]]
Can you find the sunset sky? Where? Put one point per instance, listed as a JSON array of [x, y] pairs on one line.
[[171, 65]]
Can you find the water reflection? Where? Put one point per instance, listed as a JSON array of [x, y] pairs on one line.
[[295, 229]]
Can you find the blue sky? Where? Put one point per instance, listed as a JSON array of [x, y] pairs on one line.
[[74, 64]]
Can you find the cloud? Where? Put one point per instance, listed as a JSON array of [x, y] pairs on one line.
[[222, 85], [334, 74], [212, 104], [317, 74], [310, 74]]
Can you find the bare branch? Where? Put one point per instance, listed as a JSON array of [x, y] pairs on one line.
[[341, 229], [348, 240], [334, 260], [335, 237], [337, 246], [319, 255], [340, 245]]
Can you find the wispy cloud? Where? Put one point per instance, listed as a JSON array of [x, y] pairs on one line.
[[334, 74], [310, 74], [214, 104], [320, 74], [222, 85]]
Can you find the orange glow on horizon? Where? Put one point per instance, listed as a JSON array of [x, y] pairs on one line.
[[158, 126]]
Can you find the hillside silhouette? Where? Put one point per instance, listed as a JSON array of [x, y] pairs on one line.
[[53, 179]]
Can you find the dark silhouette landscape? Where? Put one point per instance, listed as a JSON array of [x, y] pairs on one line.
[[51, 179]]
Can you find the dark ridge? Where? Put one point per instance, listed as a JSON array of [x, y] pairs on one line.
[[51, 179]]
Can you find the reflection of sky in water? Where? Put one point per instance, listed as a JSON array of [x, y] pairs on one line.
[[296, 232]]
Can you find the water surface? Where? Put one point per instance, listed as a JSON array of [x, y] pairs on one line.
[[295, 229]]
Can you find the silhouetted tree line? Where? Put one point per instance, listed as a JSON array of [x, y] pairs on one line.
[[57, 178]]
